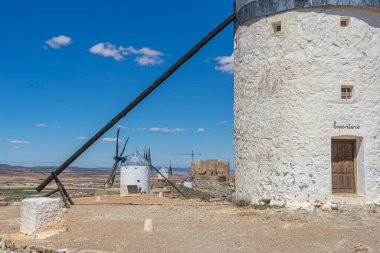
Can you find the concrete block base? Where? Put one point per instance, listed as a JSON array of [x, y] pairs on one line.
[[41, 216]]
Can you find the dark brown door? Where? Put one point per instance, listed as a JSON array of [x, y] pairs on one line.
[[343, 172]]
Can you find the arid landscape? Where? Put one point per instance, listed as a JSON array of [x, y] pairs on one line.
[[18, 182]]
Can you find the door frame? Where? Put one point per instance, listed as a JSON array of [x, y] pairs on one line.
[[354, 177]]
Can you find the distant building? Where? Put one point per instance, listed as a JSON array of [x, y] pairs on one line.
[[188, 182], [212, 170]]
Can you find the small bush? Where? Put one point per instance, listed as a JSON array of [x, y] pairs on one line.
[[266, 206], [242, 203]]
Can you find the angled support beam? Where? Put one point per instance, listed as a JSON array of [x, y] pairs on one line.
[[50, 193], [65, 196], [111, 178], [139, 99]]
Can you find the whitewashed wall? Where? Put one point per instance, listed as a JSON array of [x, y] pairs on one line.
[[134, 175], [287, 98]]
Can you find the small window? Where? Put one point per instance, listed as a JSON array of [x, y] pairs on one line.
[[344, 21], [346, 92], [277, 26], [138, 181]]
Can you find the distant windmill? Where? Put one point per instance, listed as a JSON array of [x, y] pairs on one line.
[[148, 157], [117, 158], [192, 154]]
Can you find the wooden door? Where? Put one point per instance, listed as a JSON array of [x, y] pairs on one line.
[[343, 166]]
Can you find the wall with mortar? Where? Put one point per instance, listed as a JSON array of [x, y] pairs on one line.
[[287, 98]]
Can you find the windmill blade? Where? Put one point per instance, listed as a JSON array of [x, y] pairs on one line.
[[111, 177], [145, 154], [117, 142], [122, 152], [184, 154], [149, 156]]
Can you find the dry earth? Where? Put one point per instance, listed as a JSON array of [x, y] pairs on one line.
[[116, 225]]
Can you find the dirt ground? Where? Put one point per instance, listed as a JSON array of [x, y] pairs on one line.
[[115, 224]]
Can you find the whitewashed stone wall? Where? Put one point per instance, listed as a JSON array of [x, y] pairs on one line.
[[287, 98]]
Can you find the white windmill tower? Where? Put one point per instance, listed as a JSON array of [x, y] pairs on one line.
[[164, 173], [134, 174]]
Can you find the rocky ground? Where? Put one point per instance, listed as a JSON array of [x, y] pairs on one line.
[[115, 224]]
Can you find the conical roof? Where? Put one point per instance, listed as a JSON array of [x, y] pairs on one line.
[[135, 159], [247, 9], [164, 170], [188, 179]]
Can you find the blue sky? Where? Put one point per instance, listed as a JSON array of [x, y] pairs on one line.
[[67, 67]]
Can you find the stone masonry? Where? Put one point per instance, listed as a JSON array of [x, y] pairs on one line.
[[211, 170], [41, 215], [288, 104]]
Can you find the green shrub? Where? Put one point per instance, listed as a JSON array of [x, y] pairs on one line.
[[242, 203], [266, 206]]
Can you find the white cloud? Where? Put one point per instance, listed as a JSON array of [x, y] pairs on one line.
[[81, 138], [145, 56], [225, 64], [222, 122], [128, 50], [201, 130], [150, 52], [162, 129], [148, 60], [166, 130], [14, 141], [41, 125], [106, 50], [109, 139], [59, 41]]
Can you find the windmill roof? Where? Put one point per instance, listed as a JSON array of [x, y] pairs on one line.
[[134, 159], [164, 170], [188, 179], [247, 9]]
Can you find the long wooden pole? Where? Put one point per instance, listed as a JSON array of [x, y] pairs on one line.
[[140, 98]]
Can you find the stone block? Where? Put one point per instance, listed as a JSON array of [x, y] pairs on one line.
[[148, 225], [41, 216]]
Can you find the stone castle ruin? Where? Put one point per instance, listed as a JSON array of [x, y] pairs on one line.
[[307, 100], [212, 170]]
